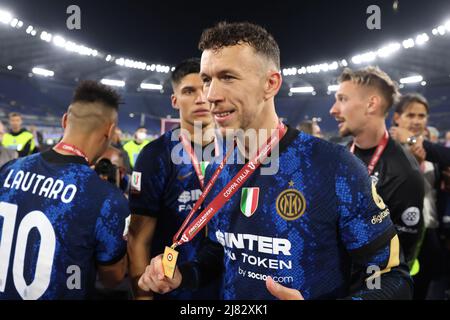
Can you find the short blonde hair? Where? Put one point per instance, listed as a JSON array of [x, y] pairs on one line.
[[376, 78]]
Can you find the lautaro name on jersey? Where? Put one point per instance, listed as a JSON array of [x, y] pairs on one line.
[[58, 222]]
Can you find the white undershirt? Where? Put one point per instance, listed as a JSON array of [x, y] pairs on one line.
[[429, 203]]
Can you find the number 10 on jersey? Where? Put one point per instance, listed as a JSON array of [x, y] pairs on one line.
[[35, 219]]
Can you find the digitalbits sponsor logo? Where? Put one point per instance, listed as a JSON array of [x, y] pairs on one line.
[[411, 216]]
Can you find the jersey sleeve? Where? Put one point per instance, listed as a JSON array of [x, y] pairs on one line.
[[406, 208], [110, 229], [364, 220], [148, 180], [369, 236], [381, 275]]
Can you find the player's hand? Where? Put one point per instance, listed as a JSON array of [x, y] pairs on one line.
[[281, 292], [154, 279], [419, 152], [400, 134]]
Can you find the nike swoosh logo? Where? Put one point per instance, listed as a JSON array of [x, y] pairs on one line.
[[181, 178]]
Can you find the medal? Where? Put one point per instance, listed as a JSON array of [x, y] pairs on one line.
[[169, 262]]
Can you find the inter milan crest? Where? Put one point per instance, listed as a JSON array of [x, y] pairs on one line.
[[249, 201], [291, 204]]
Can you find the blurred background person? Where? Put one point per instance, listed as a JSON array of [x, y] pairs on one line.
[[117, 143], [135, 146], [310, 127], [38, 140], [5, 154], [432, 134], [410, 120], [118, 160], [18, 138]]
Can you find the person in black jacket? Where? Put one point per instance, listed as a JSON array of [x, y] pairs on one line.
[[410, 120], [362, 103]]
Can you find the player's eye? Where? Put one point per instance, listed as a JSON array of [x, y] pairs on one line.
[[228, 77], [206, 80]]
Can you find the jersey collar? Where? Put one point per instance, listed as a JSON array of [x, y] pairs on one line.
[[55, 157]]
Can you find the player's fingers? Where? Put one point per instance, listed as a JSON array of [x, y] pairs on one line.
[[281, 292], [149, 281], [158, 268], [144, 280], [154, 270], [142, 285], [158, 286]]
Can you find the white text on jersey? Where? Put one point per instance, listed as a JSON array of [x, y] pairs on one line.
[[31, 182], [252, 242]]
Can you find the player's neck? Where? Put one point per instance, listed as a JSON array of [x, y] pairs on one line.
[[199, 135], [81, 144], [371, 136], [264, 128]]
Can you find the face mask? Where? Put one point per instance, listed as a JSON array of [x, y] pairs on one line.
[[141, 136]]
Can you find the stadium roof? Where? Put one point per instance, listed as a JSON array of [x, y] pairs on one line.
[[317, 39]]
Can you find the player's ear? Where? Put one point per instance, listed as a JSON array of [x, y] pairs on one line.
[[111, 129], [64, 121], [272, 84], [375, 104], [173, 98]]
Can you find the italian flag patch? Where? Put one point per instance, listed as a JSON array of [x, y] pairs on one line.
[[249, 201]]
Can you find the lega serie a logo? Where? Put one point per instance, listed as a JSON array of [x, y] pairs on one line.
[[291, 204], [136, 178]]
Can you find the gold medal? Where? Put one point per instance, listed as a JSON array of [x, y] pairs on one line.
[[169, 262]]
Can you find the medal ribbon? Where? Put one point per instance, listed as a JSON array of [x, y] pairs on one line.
[[377, 154], [230, 189], [194, 160], [71, 149]]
